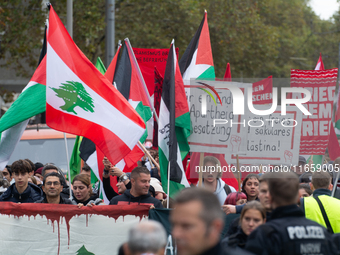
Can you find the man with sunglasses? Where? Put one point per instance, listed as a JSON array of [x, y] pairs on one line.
[[52, 187]]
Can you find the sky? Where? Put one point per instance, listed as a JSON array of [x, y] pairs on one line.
[[324, 8]]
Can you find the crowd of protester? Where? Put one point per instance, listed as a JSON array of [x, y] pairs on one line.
[[273, 213]]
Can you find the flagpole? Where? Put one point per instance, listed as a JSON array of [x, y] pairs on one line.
[[148, 154], [142, 79], [70, 31], [168, 188], [68, 166]]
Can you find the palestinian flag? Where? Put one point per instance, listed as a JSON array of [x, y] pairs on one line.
[[129, 83], [81, 101], [156, 103], [30, 103], [174, 119], [93, 157], [110, 72], [197, 60]]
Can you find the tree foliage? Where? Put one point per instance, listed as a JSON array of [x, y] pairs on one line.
[[258, 38]]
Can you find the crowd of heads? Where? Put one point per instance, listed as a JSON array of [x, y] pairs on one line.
[[197, 218]]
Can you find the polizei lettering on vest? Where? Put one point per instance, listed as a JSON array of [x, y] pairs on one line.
[[308, 232]]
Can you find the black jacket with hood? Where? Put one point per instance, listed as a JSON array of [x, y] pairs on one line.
[[31, 194], [144, 199]]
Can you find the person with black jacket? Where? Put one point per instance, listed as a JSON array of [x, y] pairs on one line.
[[21, 191], [109, 169], [253, 215], [52, 188], [49, 168], [288, 231], [139, 192]]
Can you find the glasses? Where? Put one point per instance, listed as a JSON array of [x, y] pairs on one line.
[[54, 183]]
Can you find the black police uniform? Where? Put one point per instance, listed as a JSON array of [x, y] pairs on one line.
[[289, 232]]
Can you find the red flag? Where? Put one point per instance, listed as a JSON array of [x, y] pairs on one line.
[[319, 65], [263, 91], [81, 101], [333, 145], [110, 72], [227, 74]]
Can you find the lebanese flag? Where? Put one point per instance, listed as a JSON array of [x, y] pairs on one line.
[[174, 125], [197, 60], [81, 101], [31, 101], [227, 74]]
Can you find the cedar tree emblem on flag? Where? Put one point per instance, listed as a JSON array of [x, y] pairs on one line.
[[74, 94]]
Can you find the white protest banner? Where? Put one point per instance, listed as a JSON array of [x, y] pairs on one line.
[[271, 139], [39, 229], [257, 139], [206, 136]]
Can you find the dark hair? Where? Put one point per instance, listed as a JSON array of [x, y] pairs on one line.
[[9, 169], [321, 180], [53, 174], [48, 167], [3, 182], [21, 166], [249, 176], [37, 165], [31, 163], [86, 168], [152, 191], [283, 188], [306, 187], [233, 197], [253, 205], [305, 177], [135, 173], [211, 208]]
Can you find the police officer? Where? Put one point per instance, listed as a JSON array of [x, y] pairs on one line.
[[321, 207], [288, 231]]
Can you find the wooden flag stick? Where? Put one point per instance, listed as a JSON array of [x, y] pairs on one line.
[[239, 173], [148, 154], [200, 173]]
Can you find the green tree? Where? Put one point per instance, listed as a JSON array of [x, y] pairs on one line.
[[74, 94]]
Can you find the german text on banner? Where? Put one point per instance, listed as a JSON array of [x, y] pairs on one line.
[[315, 127]]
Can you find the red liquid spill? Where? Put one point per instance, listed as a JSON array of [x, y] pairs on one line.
[[56, 212]]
